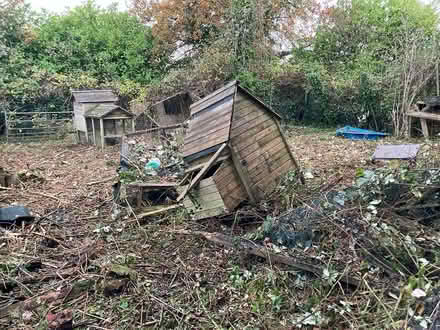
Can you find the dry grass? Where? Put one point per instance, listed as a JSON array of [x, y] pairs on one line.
[[67, 257]]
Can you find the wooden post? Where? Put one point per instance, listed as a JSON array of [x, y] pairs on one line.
[[86, 132], [7, 127], [437, 79], [409, 126], [424, 128], [301, 176], [93, 129], [242, 174], [123, 126], [101, 124], [202, 172], [133, 125]]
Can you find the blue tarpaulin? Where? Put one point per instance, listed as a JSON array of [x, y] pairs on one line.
[[354, 133]]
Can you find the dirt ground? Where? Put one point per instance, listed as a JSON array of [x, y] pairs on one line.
[[68, 259]]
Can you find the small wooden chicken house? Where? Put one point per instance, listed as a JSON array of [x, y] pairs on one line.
[[107, 121], [84, 100], [235, 142]]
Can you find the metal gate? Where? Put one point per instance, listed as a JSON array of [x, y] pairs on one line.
[[35, 126]]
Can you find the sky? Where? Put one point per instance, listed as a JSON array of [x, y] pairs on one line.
[[60, 5]]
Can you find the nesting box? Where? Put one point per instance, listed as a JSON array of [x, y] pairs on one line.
[[254, 153], [84, 100], [108, 122]]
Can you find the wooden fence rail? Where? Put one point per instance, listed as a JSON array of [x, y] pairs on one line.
[[34, 126]]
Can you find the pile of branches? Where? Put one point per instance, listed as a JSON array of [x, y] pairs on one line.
[[377, 237]]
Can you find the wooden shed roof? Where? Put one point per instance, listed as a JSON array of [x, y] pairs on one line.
[[94, 96], [211, 118], [103, 110]]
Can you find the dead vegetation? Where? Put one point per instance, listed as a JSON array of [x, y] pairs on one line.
[[335, 258]]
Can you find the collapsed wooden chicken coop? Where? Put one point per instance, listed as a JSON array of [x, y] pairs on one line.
[[234, 151]]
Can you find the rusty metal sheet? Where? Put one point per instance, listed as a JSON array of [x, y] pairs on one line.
[[400, 151]]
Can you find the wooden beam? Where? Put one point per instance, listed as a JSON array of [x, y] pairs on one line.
[[199, 166], [157, 212], [301, 176], [424, 115], [424, 128], [93, 129], [153, 129], [243, 175], [101, 125], [203, 171]]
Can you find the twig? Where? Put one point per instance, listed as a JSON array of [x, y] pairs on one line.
[[380, 302], [53, 239], [45, 195], [102, 181]]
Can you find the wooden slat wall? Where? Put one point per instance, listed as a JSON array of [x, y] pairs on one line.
[[210, 122], [258, 143], [78, 117], [208, 201], [229, 185]]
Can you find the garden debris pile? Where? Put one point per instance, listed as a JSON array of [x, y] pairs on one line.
[[382, 231], [152, 157]]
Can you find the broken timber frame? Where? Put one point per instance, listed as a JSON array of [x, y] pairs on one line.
[[202, 172]]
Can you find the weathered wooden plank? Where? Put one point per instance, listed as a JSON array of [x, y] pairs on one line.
[[204, 138], [268, 139], [234, 198], [215, 211], [240, 145], [249, 133], [207, 131], [166, 185], [212, 188], [210, 143], [241, 126], [246, 117], [224, 170], [273, 147], [282, 169], [202, 172], [266, 168], [424, 128], [224, 96], [201, 164], [204, 198], [247, 109], [424, 115], [243, 175], [212, 98], [157, 212], [212, 115], [268, 155]]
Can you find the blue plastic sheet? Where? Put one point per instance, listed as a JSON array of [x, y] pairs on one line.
[[354, 133]]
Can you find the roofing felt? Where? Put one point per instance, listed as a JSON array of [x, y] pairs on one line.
[[103, 110], [94, 96]]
